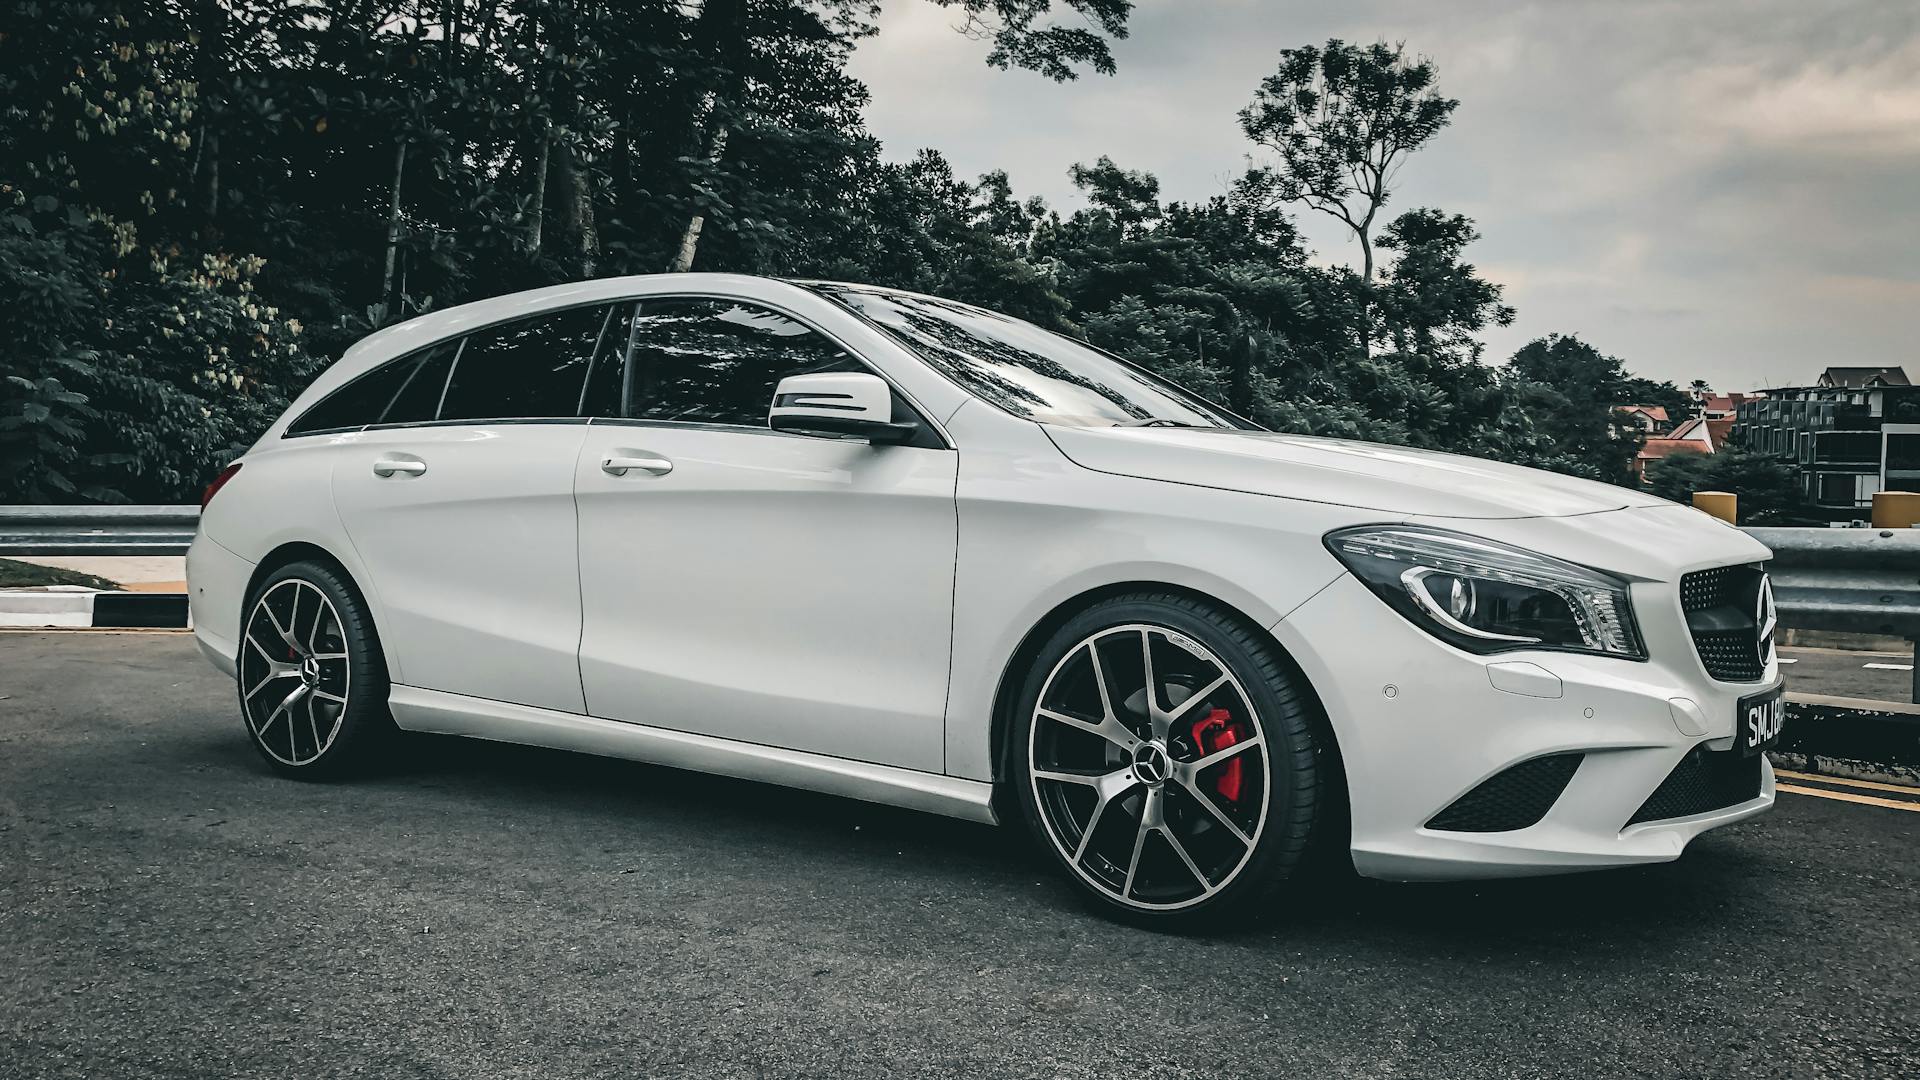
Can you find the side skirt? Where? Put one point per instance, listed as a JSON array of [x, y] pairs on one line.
[[442, 713]]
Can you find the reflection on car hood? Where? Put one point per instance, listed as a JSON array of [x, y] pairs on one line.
[[1371, 476]]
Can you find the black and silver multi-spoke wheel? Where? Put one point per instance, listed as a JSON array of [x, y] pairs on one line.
[[313, 685], [1167, 759]]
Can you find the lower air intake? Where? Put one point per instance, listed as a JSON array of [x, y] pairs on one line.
[[1513, 798], [1703, 781]]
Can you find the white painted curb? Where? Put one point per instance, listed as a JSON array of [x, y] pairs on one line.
[[67, 607], [29, 607]]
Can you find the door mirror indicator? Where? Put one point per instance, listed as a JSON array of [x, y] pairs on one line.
[[838, 404]]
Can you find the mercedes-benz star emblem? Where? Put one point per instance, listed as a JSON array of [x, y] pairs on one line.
[[1150, 763], [1765, 619]]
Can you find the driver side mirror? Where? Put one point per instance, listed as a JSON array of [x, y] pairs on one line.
[[838, 404]]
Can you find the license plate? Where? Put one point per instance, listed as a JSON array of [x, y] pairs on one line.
[[1761, 717]]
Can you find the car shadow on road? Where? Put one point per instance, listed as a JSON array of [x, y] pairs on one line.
[[1661, 907]]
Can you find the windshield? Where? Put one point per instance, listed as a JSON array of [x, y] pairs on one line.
[[1027, 371]]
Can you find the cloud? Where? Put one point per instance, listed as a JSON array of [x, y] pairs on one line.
[[1824, 104], [1720, 190]]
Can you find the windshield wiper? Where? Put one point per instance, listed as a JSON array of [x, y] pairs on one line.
[[1154, 421]]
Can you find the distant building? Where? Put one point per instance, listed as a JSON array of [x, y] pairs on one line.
[[1720, 406], [1856, 378], [1855, 432], [1698, 435], [1649, 418]]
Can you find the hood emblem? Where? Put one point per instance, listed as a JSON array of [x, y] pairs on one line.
[[1765, 620]]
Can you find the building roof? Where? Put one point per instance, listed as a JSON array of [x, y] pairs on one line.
[[1724, 402], [1654, 449], [1688, 428], [1658, 412], [1864, 376], [1708, 433]]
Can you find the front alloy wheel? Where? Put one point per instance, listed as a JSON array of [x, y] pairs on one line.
[[1167, 774]]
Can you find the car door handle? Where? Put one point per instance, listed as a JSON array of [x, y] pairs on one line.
[[389, 466], [618, 466]]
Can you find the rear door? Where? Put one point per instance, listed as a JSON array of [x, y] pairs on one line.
[[460, 505], [756, 585]]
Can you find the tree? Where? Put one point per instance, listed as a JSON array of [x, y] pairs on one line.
[[1342, 120], [727, 34], [1431, 301], [141, 350], [205, 201], [1053, 51], [1571, 388]]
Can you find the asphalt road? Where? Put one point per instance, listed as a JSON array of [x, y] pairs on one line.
[[169, 908], [1846, 673]]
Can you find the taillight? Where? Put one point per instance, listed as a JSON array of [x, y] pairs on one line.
[[219, 482]]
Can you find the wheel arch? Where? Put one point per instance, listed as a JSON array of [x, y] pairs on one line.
[[292, 552], [1013, 673]]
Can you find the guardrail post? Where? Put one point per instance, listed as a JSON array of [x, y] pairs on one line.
[[1896, 509], [1724, 505]]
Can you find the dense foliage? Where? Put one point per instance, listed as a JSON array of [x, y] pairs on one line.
[[1769, 489], [204, 201]]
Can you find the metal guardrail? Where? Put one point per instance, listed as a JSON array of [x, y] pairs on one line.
[[97, 530], [1862, 581], [1855, 580]]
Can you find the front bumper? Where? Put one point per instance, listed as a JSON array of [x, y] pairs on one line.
[[1421, 724]]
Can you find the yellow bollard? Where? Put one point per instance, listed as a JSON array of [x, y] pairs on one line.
[[1896, 509], [1724, 505]]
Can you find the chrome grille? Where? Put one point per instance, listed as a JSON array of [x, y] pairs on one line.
[[1703, 589], [1721, 606]]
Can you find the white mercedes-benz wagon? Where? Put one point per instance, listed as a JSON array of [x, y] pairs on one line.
[[907, 550]]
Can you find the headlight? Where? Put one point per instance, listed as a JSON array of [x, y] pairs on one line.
[[1488, 597]]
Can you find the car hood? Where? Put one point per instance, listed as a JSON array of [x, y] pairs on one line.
[[1369, 476]]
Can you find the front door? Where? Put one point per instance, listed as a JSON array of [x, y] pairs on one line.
[[753, 585]]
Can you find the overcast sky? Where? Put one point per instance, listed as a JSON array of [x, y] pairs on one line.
[[1719, 190]]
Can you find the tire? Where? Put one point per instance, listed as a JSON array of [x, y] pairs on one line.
[[312, 678], [1119, 793]]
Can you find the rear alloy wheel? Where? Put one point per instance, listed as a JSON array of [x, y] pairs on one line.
[[312, 684], [1168, 760]]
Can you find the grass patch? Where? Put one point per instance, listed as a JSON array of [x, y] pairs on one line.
[[20, 575]]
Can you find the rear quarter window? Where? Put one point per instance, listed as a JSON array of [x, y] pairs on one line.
[[359, 403], [528, 369]]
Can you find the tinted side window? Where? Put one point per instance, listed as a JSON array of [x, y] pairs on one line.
[[529, 368], [717, 361], [607, 382], [358, 403], [419, 397]]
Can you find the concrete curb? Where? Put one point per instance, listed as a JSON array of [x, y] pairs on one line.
[[29, 608], [1876, 740]]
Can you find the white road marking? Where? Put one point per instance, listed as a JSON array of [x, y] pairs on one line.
[[1788, 660], [1888, 667]]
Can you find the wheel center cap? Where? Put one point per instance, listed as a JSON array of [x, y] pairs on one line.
[[310, 671], [1151, 763]]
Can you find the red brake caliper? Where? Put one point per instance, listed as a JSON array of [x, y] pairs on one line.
[[1217, 731]]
